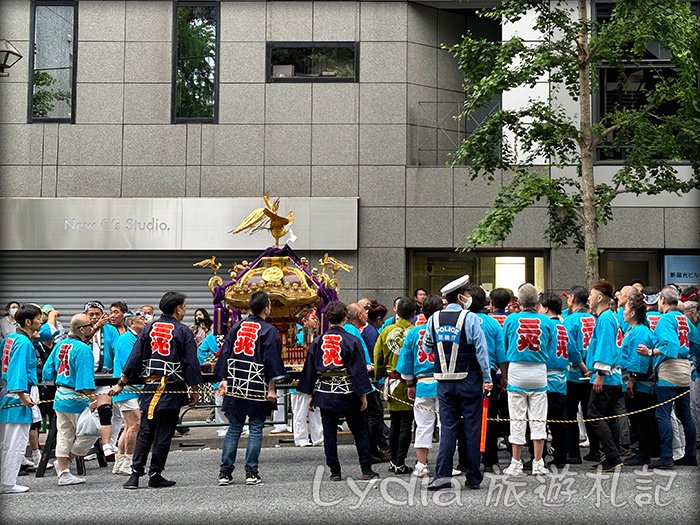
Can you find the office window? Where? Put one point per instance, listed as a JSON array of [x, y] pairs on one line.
[[627, 87], [52, 64], [196, 53], [312, 62]]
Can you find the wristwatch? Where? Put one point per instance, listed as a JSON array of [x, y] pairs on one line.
[[651, 352], [121, 383]]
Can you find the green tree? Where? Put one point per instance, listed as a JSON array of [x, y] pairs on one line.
[[196, 55], [664, 127], [45, 96]]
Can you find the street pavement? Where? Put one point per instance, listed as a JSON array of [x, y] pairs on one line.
[[296, 489]]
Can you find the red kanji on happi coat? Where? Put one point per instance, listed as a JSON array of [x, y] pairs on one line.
[[161, 335], [562, 341], [246, 337], [422, 355], [587, 326], [331, 350], [683, 332], [6, 355], [529, 332], [63, 356]]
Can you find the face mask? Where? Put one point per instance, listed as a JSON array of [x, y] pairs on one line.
[[148, 318], [13, 311], [468, 302]]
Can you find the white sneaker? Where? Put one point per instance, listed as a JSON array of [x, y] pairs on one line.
[[108, 450], [90, 457], [279, 429], [27, 463], [538, 468], [66, 478], [13, 489], [421, 470], [456, 472], [515, 468]]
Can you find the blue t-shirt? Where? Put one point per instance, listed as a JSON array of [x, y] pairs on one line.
[[558, 361], [494, 340], [632, 362], [70, 365], [579, 325], [122, 350], [606, 348], [352, 329], [527, 337], [19, 373], [672, 338], [414, 361]]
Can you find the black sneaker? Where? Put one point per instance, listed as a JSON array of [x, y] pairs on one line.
[[132, 482], [608, 465], [381, 457], [595, 457], [554, 463], [662, 464], [687, 461], [403, 469], [369, 476], [252, 478], [637, 461], [159, 482], [392, 467], [335, 477], [225, 479], [488, 468]]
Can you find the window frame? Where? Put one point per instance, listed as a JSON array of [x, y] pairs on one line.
[[174, 119], [270, 45], [598, 96], [74, 63]]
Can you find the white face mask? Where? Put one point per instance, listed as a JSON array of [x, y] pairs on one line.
[[468, 302], [148, 317], [13, 311]]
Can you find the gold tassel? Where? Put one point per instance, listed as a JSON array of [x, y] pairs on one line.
[[156, 396]]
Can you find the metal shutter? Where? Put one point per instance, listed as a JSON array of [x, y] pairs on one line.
[[69, 279]]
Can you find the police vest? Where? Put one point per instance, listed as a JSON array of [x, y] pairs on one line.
[[456, 357]]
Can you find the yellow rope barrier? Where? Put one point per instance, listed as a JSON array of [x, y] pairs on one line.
[[497, 419]]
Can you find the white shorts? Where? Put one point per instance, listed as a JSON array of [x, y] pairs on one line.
[[424, 412], [102, 390], [527, 405], [128, 405]]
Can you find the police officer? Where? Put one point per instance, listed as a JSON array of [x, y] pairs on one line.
[[463, 373], [335, 378], [165, 359]]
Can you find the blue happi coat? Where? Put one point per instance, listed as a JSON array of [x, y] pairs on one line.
[[18, 372], [606, 348], [70, 367], [415, 361]]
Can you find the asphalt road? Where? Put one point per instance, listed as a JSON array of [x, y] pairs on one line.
[[295, 490]]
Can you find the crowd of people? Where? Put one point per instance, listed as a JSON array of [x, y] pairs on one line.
[[539, 357]]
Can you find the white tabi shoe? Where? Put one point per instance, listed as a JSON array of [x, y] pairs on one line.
[[538, 468], [66, 478], [118, 460]]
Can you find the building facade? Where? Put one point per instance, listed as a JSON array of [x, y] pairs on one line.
[[306, 100]]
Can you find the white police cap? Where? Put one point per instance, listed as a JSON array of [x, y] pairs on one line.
[[455, 285]]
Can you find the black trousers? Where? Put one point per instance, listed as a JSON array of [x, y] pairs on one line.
[[606, 403], [644, 423], [375, 422], [358, 426], [490, 456], [578, 392], [556, 407], [400, 435], [155, 436]]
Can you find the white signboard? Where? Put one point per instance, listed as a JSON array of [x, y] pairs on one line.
[[171, 224]]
